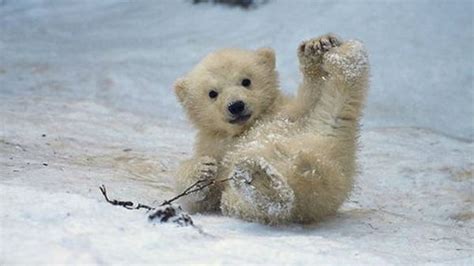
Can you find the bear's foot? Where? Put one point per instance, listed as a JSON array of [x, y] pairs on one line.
[[261, 186], [205, 171], [318, 46], [311, 52]]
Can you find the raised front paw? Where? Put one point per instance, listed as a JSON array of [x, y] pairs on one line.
[[311, 52]]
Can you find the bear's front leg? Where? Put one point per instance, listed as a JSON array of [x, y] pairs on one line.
[[204, 169], [258, 193], [334, 85], [310, 55]]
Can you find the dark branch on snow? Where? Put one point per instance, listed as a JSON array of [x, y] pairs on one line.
[[125, 204], [197, 186], [166, 211]]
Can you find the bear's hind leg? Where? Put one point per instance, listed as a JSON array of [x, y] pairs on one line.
[[321, 184], [258, 192]]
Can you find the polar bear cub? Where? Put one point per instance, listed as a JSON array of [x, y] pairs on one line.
[[289, 159]]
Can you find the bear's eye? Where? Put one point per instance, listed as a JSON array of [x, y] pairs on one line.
[[246, 82], [213, 94]]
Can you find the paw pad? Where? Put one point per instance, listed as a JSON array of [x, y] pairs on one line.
[[318, 46]]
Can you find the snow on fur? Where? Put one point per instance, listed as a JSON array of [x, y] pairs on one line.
[[86, 89]]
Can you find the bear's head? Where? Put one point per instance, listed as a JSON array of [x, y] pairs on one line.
[[229, 90]]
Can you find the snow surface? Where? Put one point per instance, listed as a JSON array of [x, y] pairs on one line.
[[86, 99]]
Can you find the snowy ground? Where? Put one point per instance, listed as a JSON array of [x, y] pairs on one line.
[[85, 100]]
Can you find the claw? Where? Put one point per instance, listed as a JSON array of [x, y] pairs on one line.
[[325, 44], [307, 50], [317, 47], [302, 47], [334, 41]]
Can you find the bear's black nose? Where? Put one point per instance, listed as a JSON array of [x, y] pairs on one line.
[[237, 107]]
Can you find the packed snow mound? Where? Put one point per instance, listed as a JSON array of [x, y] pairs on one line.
[[414, 190]]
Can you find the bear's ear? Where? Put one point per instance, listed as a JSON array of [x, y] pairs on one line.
[[180, 89], [267, 56]]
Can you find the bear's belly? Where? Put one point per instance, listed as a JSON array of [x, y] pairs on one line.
[[262, 138]]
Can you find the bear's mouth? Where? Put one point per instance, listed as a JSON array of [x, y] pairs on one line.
[[240, 120]]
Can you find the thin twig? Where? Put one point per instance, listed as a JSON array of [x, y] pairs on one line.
[[164, 215], [197, 186], [125, 204], [194, 188]]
